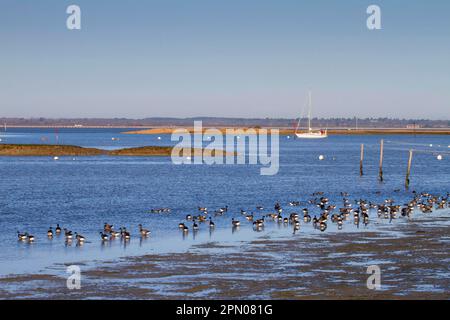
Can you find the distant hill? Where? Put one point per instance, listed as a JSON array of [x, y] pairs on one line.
[[221, 122]]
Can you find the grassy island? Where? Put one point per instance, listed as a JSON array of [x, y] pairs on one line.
[[37, 150]]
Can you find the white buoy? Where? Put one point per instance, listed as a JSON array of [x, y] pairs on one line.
[[55, 158], [321, 157], [439, 157], [188, 158], [159, 138], [288, 137], [431, 145]]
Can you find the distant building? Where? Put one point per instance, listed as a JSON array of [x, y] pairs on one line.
[[413, 126]]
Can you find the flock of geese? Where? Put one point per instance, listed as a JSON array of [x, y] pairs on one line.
[[356, 210], [108, 233]]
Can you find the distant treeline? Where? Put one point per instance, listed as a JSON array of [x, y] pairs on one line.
[[240, 122]]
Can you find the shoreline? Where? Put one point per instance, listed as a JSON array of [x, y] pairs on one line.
[[285, 131], [325, 266]]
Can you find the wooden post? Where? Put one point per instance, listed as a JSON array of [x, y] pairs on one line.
[[408, 171], [381, 160], [361, 173]]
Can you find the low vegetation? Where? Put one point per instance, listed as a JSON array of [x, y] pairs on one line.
[[22, 150]]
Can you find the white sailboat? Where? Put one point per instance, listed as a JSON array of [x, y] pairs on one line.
[[310, 134]]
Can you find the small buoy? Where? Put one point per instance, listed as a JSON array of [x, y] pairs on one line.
[[321, 157], [55, 158], [439, 157], [188, 158], [288, 137], [431, 145], [159, 138]]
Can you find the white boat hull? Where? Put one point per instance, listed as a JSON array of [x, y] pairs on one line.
[[311, 135]]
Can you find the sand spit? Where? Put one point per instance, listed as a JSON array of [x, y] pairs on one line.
[[285, 131], [327, 266]]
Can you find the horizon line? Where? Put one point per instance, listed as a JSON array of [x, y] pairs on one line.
[[218, 117]]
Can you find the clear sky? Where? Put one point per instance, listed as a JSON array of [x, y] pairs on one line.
[[233, 58]]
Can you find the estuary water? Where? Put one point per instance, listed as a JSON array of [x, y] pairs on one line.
[[82, 193]]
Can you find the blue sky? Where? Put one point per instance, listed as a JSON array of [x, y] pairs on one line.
[[234, 58]]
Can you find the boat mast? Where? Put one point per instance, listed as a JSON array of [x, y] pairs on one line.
[[300, 119], [298, 125]]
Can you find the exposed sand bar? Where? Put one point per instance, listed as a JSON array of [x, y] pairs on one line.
[[36, 150], [285, 131]]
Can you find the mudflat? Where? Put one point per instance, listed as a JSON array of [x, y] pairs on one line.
[[413, 261]]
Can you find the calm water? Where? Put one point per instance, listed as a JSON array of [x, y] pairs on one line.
[[82, 193]]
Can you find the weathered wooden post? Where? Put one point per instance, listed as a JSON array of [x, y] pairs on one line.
[[408, 171], [361, 173], [381, 160]]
